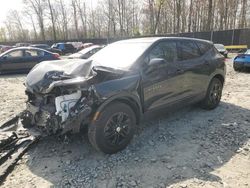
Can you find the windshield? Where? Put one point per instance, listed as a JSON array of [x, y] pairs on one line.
[[120, 55], [247, 52], [220, 46]]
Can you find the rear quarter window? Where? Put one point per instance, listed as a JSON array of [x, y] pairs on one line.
[[204, 47], [188, 50]]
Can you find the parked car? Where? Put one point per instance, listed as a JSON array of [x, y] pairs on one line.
[[5, 48], [221, 48], [23, 59], [110, 92], [46, 47], [85, 53], [77, 45], [64, 47], [242, 61]]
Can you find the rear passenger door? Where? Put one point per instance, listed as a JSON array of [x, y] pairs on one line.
[[193, 67], [161, 84], [32, 57]]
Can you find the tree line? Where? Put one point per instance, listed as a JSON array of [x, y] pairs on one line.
[[79, 19]]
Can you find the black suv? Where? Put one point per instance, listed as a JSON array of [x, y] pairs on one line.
[[110, 92]]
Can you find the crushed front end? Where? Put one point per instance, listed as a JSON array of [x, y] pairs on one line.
[[62, 97], [61, 100]]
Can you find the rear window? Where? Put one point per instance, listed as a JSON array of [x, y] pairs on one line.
[[188, 50], [219, 46], [204, 47]]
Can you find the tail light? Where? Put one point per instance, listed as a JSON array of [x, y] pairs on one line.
[[56, 55]]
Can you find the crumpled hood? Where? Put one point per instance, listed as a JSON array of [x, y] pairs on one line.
[[46, 73], [50, 74]]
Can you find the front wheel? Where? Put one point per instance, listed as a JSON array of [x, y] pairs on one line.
[[213, 95], [114, 128]]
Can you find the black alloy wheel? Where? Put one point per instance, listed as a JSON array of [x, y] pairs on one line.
[[213, 96], [113, 129], [117, 128]]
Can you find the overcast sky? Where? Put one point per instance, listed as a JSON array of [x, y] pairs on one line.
[[8, 5], [18, 5]]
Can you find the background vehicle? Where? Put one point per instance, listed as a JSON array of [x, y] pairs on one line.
[[64, 48], [221, 48], [242, 61], [47, 47], [5, 48], [23, 59], [22, 44], [85, 53], [110, 92]]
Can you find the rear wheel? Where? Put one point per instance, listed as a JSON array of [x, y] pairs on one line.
[[114, 128], [213, 95]]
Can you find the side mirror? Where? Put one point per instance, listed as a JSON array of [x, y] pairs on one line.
[[157, 61]]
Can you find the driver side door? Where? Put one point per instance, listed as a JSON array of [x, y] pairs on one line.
[[161, 83]]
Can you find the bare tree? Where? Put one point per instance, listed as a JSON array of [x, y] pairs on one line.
[[38, 7], [75, 17], [64, 19], [52, 18]]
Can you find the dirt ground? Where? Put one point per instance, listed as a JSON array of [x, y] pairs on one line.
[[187, 148]]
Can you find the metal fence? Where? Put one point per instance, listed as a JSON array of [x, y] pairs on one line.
[[226, 37]]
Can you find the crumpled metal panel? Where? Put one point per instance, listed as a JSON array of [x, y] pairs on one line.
[[14, 142]]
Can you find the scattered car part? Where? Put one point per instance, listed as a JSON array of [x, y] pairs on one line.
[[14, 142]]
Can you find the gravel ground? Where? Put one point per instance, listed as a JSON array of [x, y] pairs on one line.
[[187, 148]]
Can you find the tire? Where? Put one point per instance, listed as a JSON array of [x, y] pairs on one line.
[[114, 128], [213, 95], [236, 68]]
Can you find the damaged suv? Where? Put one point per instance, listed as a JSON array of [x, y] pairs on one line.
[[110, 92]]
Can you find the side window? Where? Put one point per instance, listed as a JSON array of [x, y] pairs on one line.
[[203, 47], [164, 50], [188, 50], [31, 53], [15, 54], [40, 53]]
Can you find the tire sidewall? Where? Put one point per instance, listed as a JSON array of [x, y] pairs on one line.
[[104, 117]]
